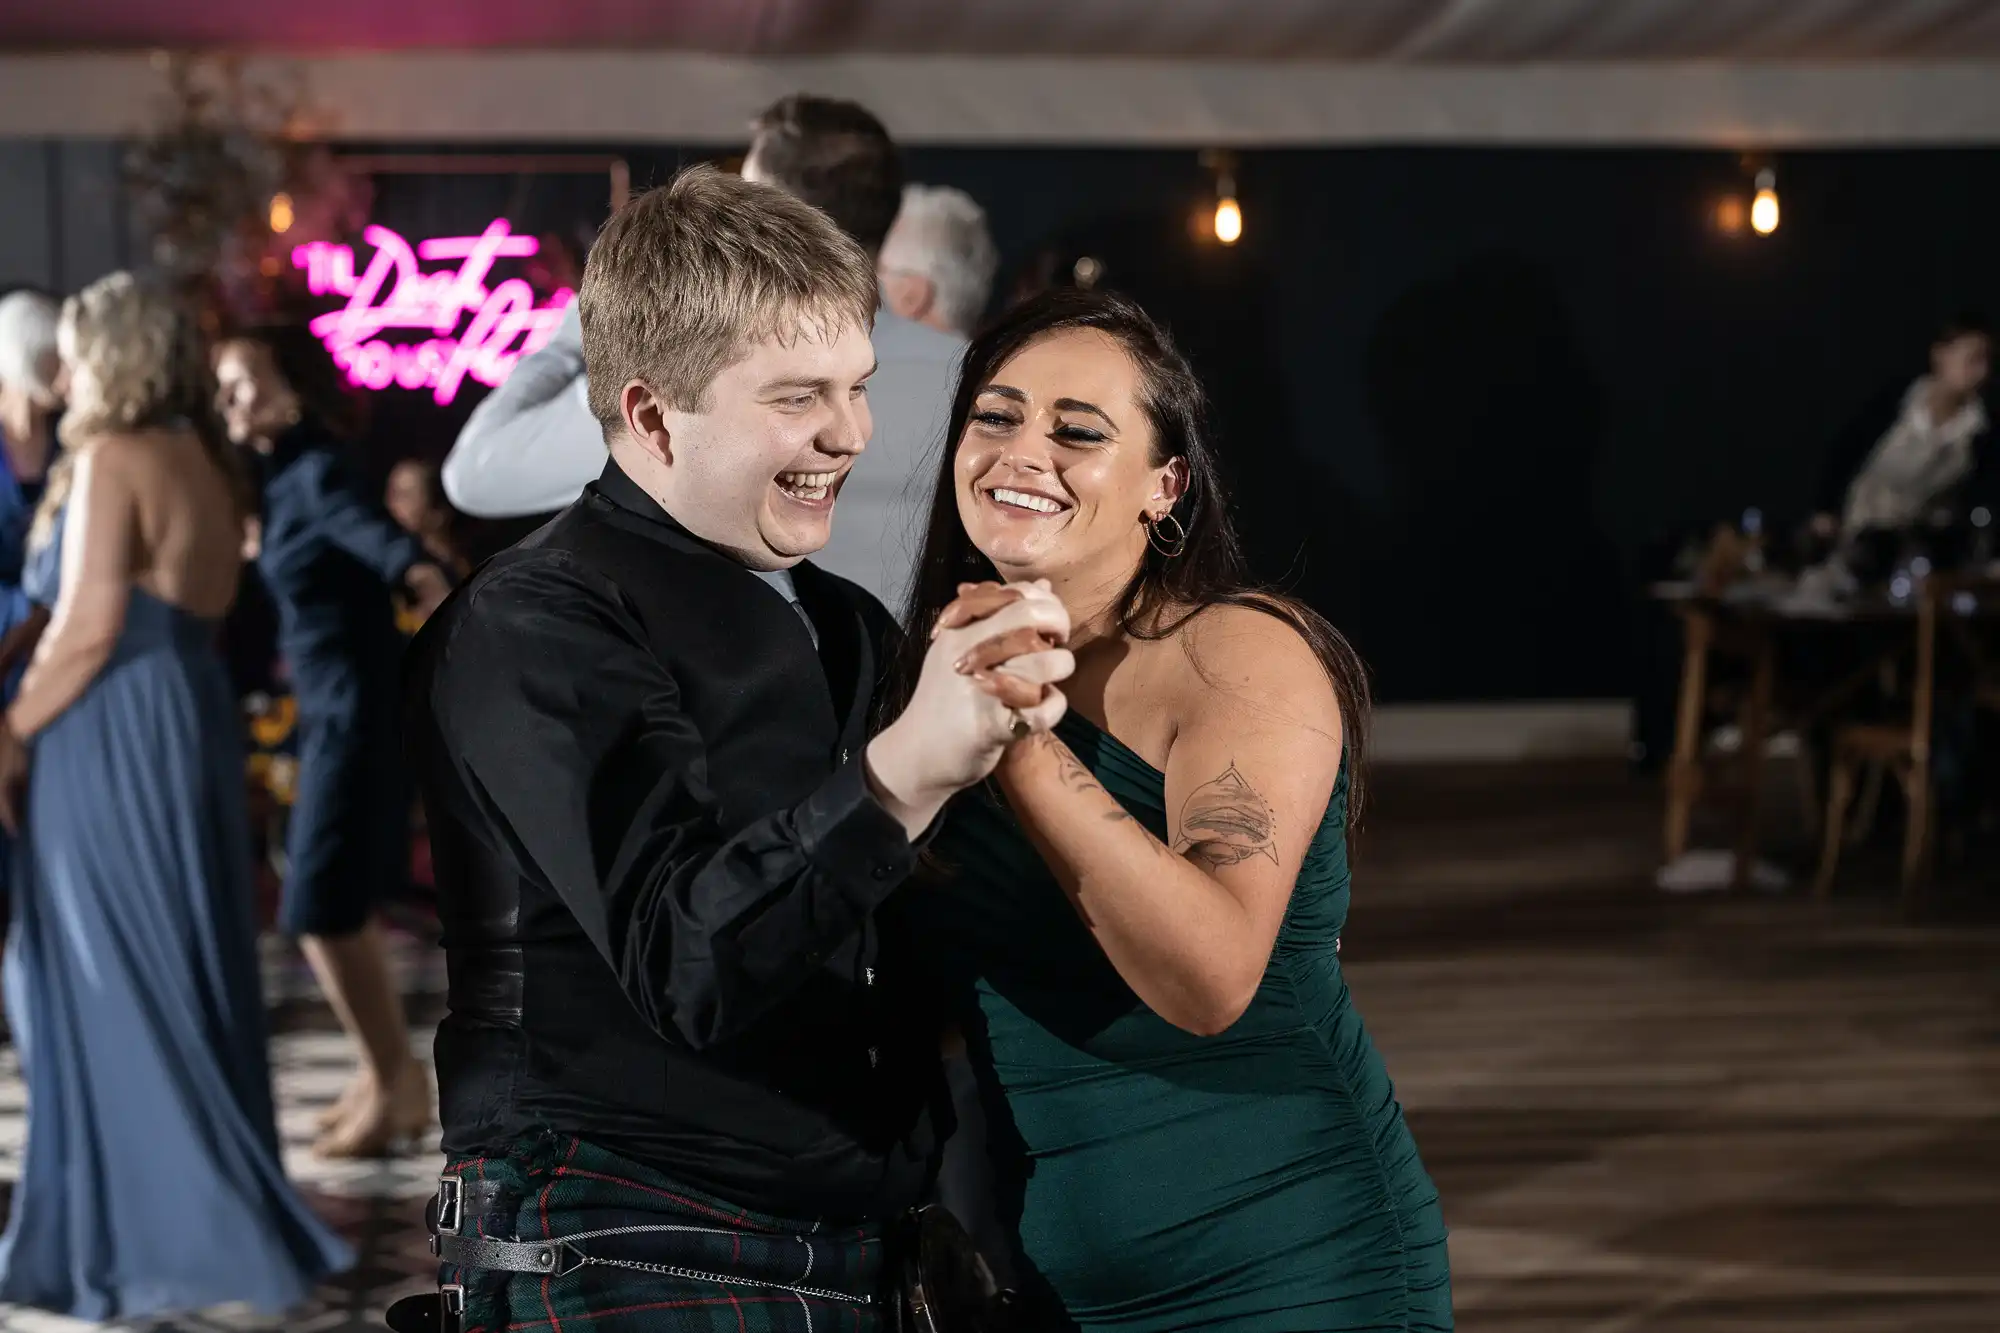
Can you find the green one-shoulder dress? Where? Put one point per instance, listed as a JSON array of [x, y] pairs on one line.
[[1260, 1180]]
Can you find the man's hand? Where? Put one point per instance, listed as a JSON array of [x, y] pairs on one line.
[[993, 664]]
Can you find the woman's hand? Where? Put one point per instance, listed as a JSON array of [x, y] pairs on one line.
[[976, 601], [13, 780]]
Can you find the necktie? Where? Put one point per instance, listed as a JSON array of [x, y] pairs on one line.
[[811, 629]]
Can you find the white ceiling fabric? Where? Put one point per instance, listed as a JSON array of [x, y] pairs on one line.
[[1478, 31], [1723, 73]]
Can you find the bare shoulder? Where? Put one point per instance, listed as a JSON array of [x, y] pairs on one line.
[[140, 452], [1250, 663]]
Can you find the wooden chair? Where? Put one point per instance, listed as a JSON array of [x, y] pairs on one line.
[[1903, 749]]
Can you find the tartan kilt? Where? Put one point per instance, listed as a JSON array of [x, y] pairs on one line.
[[555, 1186]]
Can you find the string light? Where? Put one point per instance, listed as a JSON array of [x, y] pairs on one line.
[[281, 213], [1764, 208]]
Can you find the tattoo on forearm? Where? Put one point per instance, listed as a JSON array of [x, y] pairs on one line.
[[1081, 780], [1225, 821]]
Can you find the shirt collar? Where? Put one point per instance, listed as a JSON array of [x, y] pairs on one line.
[[629, 495]]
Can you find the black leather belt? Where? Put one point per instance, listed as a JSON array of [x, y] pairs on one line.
[[458, 1199], [547, 1258], [940, 1284]]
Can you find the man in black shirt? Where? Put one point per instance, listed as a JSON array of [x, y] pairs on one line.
[[661, 830]]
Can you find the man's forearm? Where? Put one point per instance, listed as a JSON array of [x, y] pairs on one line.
[[515, 461], [532, 446]]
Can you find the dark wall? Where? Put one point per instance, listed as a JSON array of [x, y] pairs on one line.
[[1467, 394], [1472, 394], [63, 215]]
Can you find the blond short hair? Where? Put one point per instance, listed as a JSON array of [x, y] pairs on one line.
[[685, 278]]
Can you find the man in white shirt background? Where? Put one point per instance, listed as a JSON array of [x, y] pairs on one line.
[[1930, 448], [532, 445]]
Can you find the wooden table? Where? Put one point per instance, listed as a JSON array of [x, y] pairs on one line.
[[1746, 624]]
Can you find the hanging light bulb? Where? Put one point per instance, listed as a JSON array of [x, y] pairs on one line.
[[281, 213], [1227, 223], [1764, 208], [1228, 217]]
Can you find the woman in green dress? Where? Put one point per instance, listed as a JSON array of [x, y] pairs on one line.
[[1139, 918]]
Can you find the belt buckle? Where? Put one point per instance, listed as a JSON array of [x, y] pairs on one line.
[[451, 1300], [451, 1204]]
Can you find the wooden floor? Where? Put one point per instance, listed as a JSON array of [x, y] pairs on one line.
[[1649, 1113], [1646, 1114]]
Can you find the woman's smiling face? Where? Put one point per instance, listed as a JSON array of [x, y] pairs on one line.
[[1055, 473]]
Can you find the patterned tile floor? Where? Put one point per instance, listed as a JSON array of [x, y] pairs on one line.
[[377, 1206]]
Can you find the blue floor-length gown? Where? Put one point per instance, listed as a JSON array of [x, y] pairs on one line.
[[151, 1181]]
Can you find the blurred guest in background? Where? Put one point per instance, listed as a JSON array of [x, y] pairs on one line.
[[1138, 923], [415, 499], [938, 262], [29, 402], [28, 406], [332, 560], [532, 445], [1924, 455], [152, 1181]]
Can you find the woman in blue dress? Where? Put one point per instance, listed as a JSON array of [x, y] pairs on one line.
[[151, 1181], [332, 560]]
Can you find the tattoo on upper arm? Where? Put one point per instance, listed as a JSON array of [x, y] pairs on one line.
[[1226, 821]]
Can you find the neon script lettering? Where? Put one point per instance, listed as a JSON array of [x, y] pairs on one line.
[[391, 293]]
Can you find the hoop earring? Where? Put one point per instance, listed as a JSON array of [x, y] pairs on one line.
[[1171, 546]]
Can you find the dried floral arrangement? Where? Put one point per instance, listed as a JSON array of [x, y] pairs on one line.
[[233, 175]]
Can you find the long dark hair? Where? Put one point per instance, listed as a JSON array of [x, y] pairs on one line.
[[1166, 591], [303, 361]]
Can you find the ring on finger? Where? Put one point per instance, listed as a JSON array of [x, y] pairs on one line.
[[1018, 726]]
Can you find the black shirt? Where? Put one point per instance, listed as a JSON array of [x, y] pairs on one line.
[[659, 867]]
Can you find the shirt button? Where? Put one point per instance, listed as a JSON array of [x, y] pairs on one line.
[[881, 872], [843, 755]]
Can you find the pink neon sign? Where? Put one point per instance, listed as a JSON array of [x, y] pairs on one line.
[[391, 293]]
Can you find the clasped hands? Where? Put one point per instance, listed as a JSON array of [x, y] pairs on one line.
[[1003, 665], [990, 677]]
